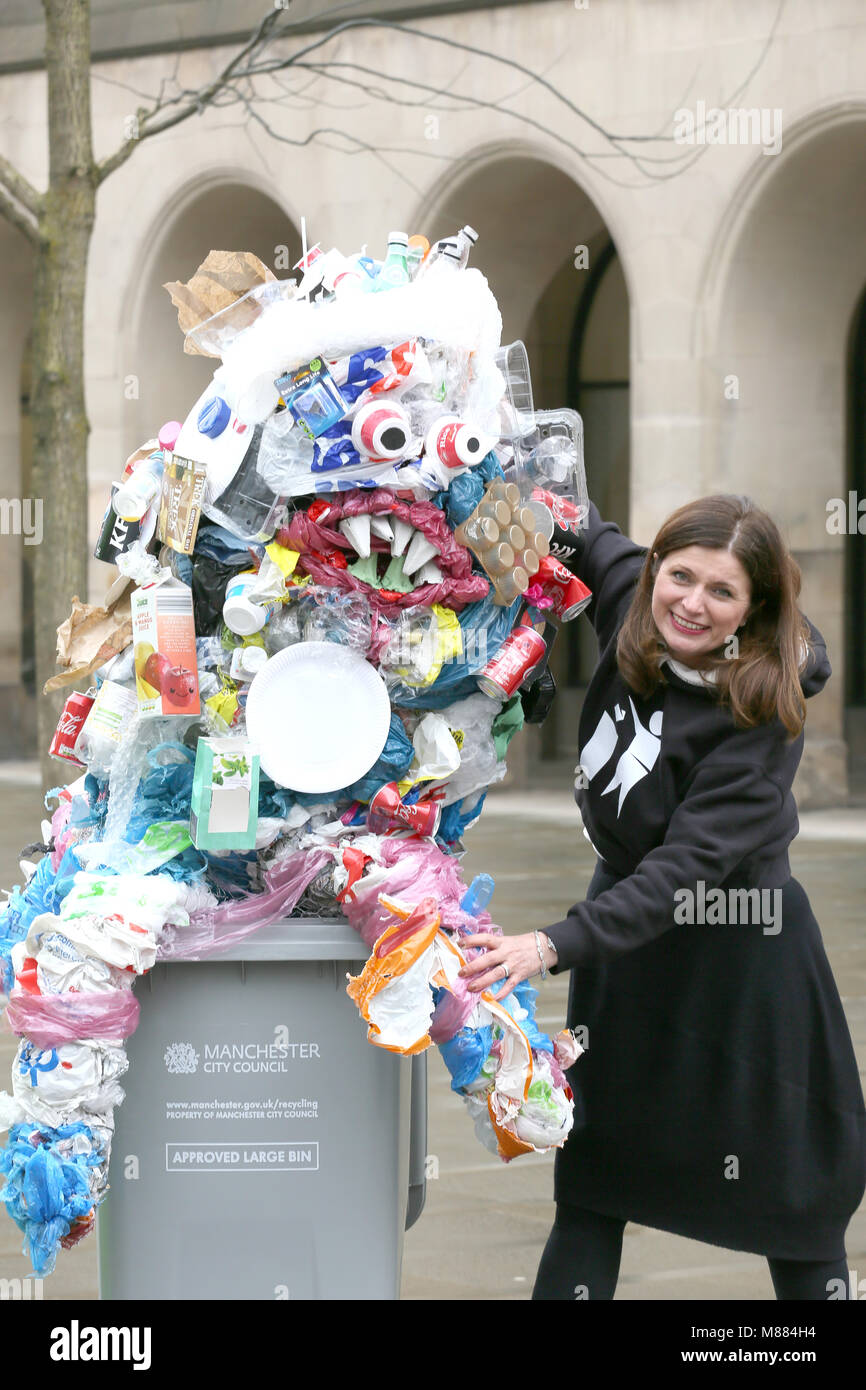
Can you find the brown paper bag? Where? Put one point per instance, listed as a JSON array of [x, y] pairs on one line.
[[91, 635], [221, 279]]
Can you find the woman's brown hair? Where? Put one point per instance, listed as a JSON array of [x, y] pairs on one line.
[[760, 679]]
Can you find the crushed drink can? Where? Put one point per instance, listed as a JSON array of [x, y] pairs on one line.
[[69, 726], [567, 515], [116, 535], [568, 594], [522, 650], [568, 519], [387, 812]]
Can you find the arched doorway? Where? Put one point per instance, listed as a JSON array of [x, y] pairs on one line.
[[161, 381], [548, 255], [785, 275]]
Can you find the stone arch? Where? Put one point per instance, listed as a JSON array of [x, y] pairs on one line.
[[530, 248], [221, 211], [781, 284]]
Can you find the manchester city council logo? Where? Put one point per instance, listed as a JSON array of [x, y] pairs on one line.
[[181, 1059]]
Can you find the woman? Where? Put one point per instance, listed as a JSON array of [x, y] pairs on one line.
[[719, 1096]]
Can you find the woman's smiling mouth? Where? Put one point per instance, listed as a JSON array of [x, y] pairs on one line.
[[683, 625]]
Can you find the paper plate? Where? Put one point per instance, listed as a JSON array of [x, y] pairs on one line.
[[320, 715]]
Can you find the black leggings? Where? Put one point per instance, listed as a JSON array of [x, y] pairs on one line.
[[582, 1255]]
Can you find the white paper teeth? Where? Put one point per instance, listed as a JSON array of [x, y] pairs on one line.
[[402, 532], [428, 574], [356, 529], [381, 527], [420, 551]]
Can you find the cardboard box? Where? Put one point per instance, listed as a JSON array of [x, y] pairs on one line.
[[225, 794], [163, 635]]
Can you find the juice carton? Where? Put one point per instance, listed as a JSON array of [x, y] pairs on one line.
[[225, 794], [163, 635], [183, 485]]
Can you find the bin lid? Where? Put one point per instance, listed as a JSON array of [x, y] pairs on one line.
[[298, 938]]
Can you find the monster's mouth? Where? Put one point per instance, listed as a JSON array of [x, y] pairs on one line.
[[390, 553]]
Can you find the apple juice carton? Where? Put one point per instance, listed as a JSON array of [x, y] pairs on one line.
[[225, 794], [163, 635]]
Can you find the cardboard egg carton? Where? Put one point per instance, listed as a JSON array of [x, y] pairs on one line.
[[503, 534]]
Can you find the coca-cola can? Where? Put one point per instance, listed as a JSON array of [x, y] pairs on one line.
[[568, 594], [387, 812], [522, 649], [69, 726], [566, 514]]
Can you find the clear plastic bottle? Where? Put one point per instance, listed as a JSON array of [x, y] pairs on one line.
[[395, 268], [139, 492]]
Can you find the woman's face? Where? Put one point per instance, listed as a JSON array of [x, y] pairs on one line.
[[700, 598]]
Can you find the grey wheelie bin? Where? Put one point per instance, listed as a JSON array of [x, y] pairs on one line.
[[265, 1150]]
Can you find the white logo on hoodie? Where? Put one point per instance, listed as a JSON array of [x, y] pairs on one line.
[[634, 764]]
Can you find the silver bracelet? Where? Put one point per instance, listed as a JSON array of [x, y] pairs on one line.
[[540, 951]]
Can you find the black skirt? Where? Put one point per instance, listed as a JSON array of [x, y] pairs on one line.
[[719, 1096]]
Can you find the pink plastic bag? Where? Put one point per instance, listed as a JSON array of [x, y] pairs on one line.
[[211, 932], [415, 870], [314, 539], [50, 1020]]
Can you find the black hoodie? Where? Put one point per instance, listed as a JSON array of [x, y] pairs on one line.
[[673, 792]]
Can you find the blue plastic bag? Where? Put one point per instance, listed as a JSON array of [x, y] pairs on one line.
[[393, 763], [466, 491], [464, 1055]]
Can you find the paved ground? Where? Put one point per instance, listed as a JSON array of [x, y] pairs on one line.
[[485, 1222]]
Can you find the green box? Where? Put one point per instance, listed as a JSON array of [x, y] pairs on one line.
[[225, 794]]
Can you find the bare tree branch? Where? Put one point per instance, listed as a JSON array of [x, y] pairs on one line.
[[201, 99], [253, 61], [19, 188], [193, 103], [20, 216]]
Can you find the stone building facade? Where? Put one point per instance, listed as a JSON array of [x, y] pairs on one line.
[[673, 220]]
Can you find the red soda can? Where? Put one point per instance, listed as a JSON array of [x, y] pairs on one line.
[[566, 514], [75, 711], [387, 812], [522, 649], [568, 594]]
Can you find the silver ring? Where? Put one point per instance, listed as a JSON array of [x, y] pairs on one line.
[[505, 968]]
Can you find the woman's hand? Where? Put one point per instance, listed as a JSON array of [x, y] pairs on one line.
[[518, 953]]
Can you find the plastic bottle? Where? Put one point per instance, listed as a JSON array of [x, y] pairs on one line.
[[450, 253], [113, 710], [419, 247], [140, 491], [466, 239], [477, 895], [395, 268]]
